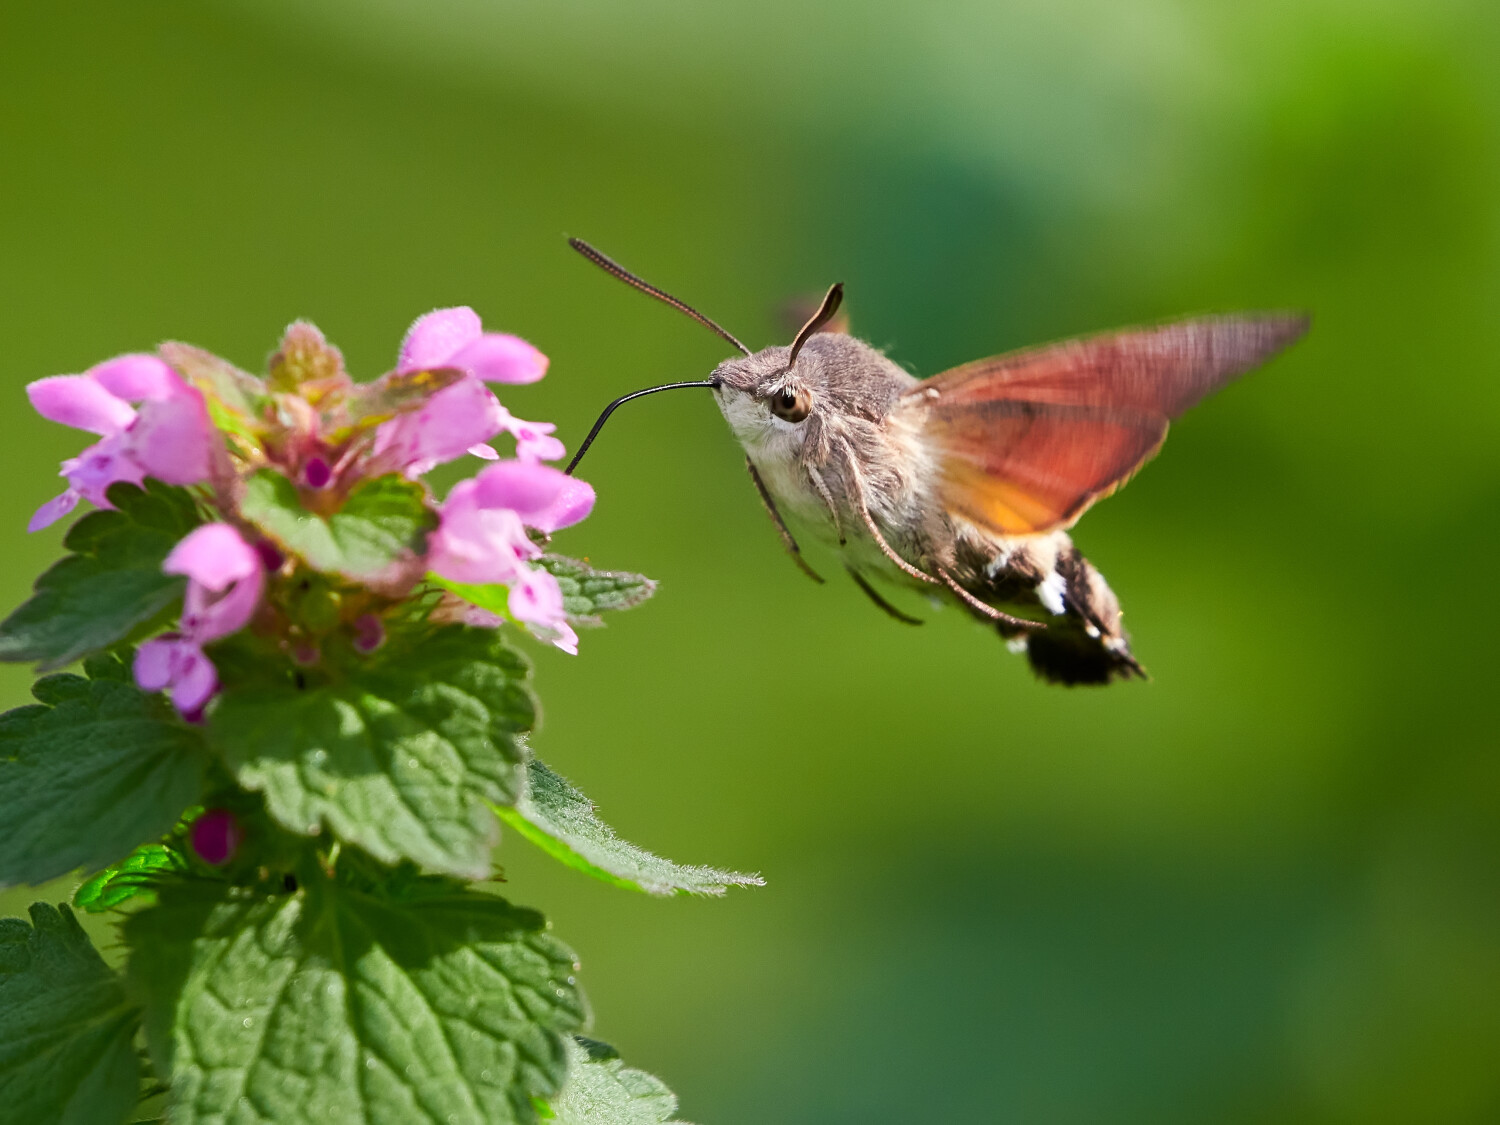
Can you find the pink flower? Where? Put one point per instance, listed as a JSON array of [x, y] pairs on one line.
[[482, 539], [178, 665], [170, 437], [454, 338], [463, 417], [225, 580], [537, 600]]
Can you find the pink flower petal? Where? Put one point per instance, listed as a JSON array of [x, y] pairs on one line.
[[213, 555], [178, 665], [449, 424], [80, 402], [173, 437], [497, 357], [477, 545], [533, 439], [196, 681], [573, 503], [536, 599], [99, 466], [154, 662], [433, 338], [225, 581], [565, 638], [522, 486], [136, 377], [54, 510], [484, 452]]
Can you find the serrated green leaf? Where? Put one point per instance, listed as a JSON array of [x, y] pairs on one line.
[[94, 770], [382, 525], [588, 592], [337, 1006], [602, 1090], [561, 821], [111, 583], [136, 876], [65, 1026], [397, 751]]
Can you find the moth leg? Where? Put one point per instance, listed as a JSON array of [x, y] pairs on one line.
[[984, 608], [833, 509], [874, 595], [781, 529], [864, 511]]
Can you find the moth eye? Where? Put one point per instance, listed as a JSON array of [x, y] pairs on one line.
[[791, 407]]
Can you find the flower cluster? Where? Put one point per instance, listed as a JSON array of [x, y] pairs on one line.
[[316, 441]]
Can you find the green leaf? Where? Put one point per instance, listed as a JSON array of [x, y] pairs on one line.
[[602, 1090], [95, 769], [398, 751], [343, 1006], [588, 592], [560, 820], [380, 530], [66, 1054], [136, 876], [111, 583]]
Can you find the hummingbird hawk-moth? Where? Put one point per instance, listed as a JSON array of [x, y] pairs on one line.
[[965, 484]]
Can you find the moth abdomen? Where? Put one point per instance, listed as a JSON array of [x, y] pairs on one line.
[[1048, 578]]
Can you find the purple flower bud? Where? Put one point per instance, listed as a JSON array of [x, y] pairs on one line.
[[316, 473], [369, 633], [216, 836], [270, 555]]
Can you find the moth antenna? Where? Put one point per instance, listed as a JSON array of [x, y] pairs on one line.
[[610, 266], [826, 312], [610, 409]]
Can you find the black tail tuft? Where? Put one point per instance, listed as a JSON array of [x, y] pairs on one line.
[[1066, 654]]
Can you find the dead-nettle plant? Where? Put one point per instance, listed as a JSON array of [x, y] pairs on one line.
[[299, 726]]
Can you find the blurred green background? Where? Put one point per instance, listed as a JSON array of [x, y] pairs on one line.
[[1260, 888]]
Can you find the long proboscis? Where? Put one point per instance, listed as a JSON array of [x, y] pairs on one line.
[[610, 409]]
